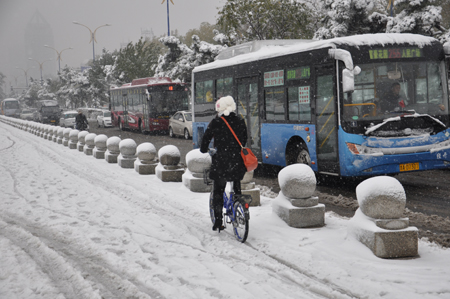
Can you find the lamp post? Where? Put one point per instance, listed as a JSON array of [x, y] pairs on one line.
[[168, 24], [40, 67], [93, 40], [25, 72], [59, 55]]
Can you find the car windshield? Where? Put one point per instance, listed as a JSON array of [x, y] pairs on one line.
[[107, 114], [26, 111], [70, 115], [188, 116]]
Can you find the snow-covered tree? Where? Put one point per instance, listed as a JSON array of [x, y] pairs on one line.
[[246, 20]]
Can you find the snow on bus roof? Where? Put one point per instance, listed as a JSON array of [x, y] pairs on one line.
[[273, 49], [146, 81]]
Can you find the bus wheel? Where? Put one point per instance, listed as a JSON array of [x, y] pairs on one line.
[[303, 156]]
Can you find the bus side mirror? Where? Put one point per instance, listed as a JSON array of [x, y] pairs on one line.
[[348, 79]]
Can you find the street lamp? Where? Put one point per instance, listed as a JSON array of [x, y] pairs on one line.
[[168, 24], [59, 55], [25, 72], [40, 67], [93, 40]]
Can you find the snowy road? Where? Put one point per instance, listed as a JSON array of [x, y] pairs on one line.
[[72, 226]]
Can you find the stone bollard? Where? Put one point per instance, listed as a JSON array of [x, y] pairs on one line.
[[40, 132], [127, 155], [168, 169], [196, 162], [146, 161], [81, 142], [66, 136], [55, 134], [89, 145], [295, 203], [113, 151], [50, 133], [248, 187], [60, 135], [73, 139], [378, 221], [100, 146]]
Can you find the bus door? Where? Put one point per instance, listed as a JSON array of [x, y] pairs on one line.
[[125, 110], [145, 112], [326, 120], [248, 108]]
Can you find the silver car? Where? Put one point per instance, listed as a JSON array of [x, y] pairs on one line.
[[104, 119], [181, 124], [68, 119], [26, 114]]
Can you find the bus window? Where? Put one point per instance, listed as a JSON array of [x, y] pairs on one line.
[[274, 103], [299, 103], [224, 87], [204, 92]]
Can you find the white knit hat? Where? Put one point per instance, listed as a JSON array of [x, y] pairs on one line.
[[225, 105]]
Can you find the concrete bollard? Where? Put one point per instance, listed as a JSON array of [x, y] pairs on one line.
[[378, 221], [100, 146], [249, 187], [89, 143], [50, 133], [295, 203], [55, 134], [60, 135], [146, 161], [66, 136], [127, 154], [81, 142], [73, 139], [168, 169], [113, 151], [196, 162]]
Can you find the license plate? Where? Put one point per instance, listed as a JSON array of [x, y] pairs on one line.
[[52, 121], [409, 166]]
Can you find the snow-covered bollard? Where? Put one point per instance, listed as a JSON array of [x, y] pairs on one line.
[[73, 139], [60, 135], [378, 223], [127, 155], [66, 136], [46, 130], [50, 133], [295, 203], [146, 161], [168, 169], [81, 142], [113, 151], [196, 162], [89, 145], [55, 134], [249, 187], [100, 146]]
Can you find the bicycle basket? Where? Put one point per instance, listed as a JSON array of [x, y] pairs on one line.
[[206, 178]]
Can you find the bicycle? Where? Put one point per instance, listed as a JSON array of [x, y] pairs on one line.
[[236, 210]]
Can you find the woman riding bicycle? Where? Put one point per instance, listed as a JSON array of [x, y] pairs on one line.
[[227, 164]]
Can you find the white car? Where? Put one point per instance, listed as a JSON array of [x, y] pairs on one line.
[[68, 119], [26, 114], [104, 119], [181, 124]]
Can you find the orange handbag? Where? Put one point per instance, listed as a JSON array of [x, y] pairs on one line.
[[250, 160]]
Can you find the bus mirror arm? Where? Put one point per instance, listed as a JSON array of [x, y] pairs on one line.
[[348, 74]]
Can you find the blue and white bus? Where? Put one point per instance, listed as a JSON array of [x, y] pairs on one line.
[[329, 103], [10, 107]]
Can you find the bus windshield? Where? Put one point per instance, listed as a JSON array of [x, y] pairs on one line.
[[11, 105], [386, 90], [166, 103]]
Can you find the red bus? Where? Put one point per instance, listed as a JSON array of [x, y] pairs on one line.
[[146, 104]]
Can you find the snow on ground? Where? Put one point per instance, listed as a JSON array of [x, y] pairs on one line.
[[72, 226]]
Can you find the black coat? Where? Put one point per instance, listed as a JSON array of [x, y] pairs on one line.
[[227, 163]]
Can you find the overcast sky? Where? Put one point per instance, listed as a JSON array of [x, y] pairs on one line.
[[127, 17]]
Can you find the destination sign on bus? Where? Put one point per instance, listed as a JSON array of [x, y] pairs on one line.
[[299, 73], [274, 78], [395, 53]]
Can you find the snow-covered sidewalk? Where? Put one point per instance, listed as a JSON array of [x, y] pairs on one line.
[[72, 226]]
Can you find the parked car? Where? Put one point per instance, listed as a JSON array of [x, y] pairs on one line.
[[68, 119], [26, 114], [104, 119], [181, 124]]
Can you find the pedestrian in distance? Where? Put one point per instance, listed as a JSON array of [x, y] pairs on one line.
[[81, 122], [227, 164]]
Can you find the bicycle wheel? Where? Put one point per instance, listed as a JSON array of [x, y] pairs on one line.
[[240, 222], [211, 208]]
